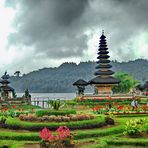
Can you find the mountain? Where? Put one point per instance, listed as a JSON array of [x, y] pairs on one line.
[[60, 79]]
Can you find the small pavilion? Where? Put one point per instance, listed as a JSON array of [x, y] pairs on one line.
[[80, 86], [104, 80], [5, 89]]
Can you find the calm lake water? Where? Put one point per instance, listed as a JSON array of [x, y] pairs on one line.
[[39, 97], [62, 96]]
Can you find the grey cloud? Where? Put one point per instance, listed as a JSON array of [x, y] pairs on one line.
[[50, 26], [57, 27]]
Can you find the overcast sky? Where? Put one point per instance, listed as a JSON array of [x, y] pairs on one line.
[[44, 33]]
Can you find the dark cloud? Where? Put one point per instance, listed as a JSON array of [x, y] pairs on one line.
[[51, 26], [58, 28]]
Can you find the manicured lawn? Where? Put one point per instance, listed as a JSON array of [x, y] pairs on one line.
[[110, 136]]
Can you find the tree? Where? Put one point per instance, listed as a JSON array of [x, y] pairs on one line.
[[17, 73], [127, 83]]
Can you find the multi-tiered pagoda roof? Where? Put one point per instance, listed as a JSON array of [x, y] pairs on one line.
[[103, 69], [4, 81]]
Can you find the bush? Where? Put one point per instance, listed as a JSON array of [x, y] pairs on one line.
[[56, 104], [41, 113], [134, 127]]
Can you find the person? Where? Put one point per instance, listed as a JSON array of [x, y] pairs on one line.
[[136, 104], [133, 104]]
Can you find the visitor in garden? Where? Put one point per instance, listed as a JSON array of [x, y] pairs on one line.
[[134, 104]]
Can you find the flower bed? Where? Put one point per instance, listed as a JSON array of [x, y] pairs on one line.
[[115, 108], [53, 118], [15, 123], [62, 138]]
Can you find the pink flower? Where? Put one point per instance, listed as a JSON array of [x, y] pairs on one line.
[[45, 134], [63, 132]]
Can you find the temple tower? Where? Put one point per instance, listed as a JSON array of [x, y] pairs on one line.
[[104, 79]]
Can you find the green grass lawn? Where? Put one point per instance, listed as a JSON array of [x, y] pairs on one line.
[[109, 136]]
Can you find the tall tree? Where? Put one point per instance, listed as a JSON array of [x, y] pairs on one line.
[[127, 83]]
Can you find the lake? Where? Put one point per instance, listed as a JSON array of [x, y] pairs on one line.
[[62, 96]]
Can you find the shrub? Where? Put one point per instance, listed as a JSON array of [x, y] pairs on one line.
[[134, 127], [56, 104], [41, 113]]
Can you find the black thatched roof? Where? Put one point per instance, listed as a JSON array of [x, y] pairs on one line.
[[103, 52], [107, 80], [103, 61], [6, 88], [5, 76], [104, 66], [80, 82], [103, 56], [108, 72], [4, 81]]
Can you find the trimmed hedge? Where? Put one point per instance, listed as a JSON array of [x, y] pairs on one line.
[[19, 136], [131, 115], [15, 123], [79, 134], [48, 112], [99, 133], [128, 141]]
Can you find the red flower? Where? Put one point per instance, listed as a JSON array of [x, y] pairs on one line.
[[4, 109], [13, 106], [120, 107], [107, 103], [99, 107], [144, 107], [115, 103], [45, 134]]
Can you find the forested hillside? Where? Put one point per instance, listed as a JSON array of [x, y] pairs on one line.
[[60, 79]]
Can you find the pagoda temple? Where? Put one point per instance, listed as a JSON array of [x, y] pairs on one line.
[[80, 86], [104, 79], [5, 89]]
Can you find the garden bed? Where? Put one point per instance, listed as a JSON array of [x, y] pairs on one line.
[[48, 112], [125, 113], [15, 123], [53, 118]]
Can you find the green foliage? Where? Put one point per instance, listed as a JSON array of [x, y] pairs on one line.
[[127, 83], [27, 94], [56, 104], [41, 113], [134, 127], [60, 79], [14, 94], [3, 119], [127, 142], [84, 124], [19, 136]]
